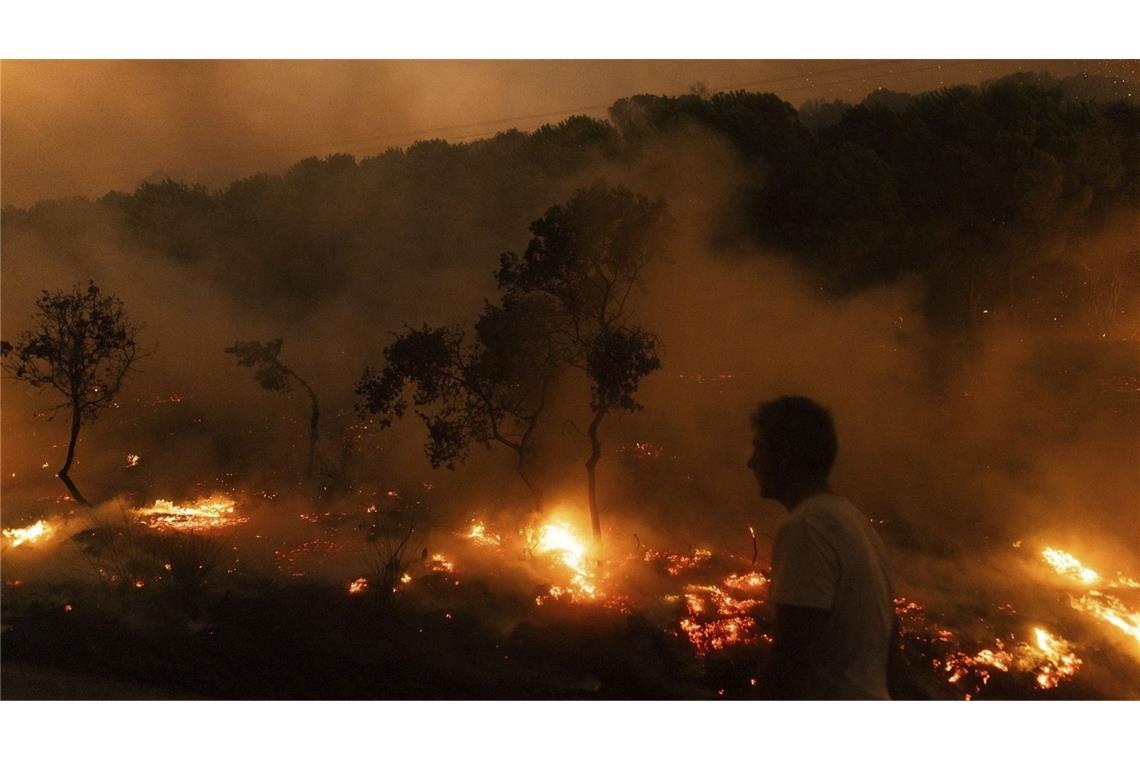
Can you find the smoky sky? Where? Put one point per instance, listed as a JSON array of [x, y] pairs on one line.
[[88, 127]]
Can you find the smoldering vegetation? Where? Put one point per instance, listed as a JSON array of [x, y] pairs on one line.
[[953, 273]]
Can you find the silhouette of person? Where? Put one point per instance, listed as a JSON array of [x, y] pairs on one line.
[[834, 616]]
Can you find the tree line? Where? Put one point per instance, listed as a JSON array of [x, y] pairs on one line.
[[996, 197]]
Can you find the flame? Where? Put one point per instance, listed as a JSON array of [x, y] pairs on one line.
[[358, 586], [1064, 563], [1060, 662], [38, 531], [204, 514], [1111, 610], [1107, 607], [479, 535], [441, 564], [559, 539]]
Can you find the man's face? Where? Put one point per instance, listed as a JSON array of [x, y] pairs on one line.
[[762, 467]]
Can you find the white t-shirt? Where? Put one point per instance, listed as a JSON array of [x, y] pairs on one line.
[[828, 556]]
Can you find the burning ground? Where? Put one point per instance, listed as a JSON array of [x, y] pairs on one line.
[[218, 596]]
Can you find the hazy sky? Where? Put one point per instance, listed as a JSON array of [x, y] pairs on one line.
[[87, 127]]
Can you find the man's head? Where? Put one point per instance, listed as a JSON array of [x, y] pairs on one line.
[[793, 448]]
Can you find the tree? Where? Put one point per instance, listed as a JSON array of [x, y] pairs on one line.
[[273, 375], [585, 258], [491, 389], [82, 345]]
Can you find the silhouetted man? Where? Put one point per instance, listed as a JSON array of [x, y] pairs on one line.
[[834, 616]]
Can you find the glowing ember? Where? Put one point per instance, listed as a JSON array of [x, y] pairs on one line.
[[358, 586], [132, 460], [745, 581], [719, 634], [980, 665], [479, 535], [205, 514], [38, 531], [675, 564], [646, 450]]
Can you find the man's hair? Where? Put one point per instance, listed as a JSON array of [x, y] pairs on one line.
[[804, 428]]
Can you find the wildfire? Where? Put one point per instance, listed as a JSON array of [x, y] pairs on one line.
[[38, 531], [716, 635], [441, 564], [479, 535], [716, 620], [205, 514], [358, 586], [1066, 564], [675, 564], [1107, 607], [1111, 610], [1049, 659], [745, 581], [558, 539], [1059, 662]]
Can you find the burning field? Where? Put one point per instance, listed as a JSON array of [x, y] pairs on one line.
[[545, 611]]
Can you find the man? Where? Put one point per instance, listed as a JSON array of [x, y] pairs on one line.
[[834, 615]]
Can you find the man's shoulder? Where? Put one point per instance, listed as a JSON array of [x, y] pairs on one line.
[[825, 506]]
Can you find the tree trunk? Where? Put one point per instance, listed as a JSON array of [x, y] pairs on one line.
[[314, 420], [62, 474], [531, 483], [591, 478]]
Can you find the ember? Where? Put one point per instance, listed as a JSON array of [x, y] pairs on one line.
[[716, 635], [358, 586], [675, 564], [206, 514], [38, 531]]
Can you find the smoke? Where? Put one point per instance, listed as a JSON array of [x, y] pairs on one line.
[[955, 449]]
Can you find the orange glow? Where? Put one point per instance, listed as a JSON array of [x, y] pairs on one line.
[[205, 514], [478, 534], [35, 533]]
